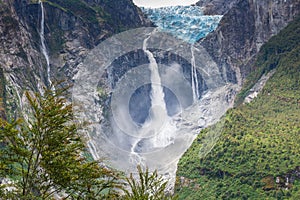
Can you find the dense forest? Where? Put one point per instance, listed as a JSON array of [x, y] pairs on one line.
[[257, 154]]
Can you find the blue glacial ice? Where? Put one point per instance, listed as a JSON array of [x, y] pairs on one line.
[[185, 22]]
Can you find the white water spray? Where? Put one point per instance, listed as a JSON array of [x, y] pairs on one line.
[[92, 148], [126, 143], [135, 158], [158, 111], [195, 86], [43, 46], [158, 116]]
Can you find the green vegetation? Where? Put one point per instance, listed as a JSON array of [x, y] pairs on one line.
[[46, 155], [270, 54], [150, 186], [79, 8], [43, 155], [76, 7], [259, 141]]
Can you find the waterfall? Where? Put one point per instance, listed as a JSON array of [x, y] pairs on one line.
[[158, 111], [92, 148], [43, 46], [195, 86], [155, 124], [161, 140], [135, 158]]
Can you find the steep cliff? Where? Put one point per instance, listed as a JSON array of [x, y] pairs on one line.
[[245, 27], [216, 7], [71, 28], [257, 153], [20, 60]]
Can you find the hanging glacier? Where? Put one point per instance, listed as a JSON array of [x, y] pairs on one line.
[[184, 22]]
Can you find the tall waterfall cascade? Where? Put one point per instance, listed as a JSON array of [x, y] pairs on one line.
[[193, 78], [157, 93], [195, 83], [43, 45], [157, 122]]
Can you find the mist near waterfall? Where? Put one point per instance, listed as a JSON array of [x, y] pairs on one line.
[[167, 117]]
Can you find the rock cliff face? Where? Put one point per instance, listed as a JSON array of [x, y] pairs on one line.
[[245, 27], [71, 32], [20, 59], [72, 28], [219, 7]]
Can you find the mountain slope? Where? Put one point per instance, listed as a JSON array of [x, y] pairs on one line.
[[257, 155], [72, 29], [244, 28]]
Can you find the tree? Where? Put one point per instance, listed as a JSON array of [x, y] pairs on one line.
[[44, 155], [149, 186]]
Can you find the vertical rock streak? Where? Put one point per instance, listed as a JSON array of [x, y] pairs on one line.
[[43, 45]]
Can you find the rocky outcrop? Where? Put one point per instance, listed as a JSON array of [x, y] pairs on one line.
[[216, 7], [72, 28], [245, 27], [122, 11], [258, 87], [20, 59]]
